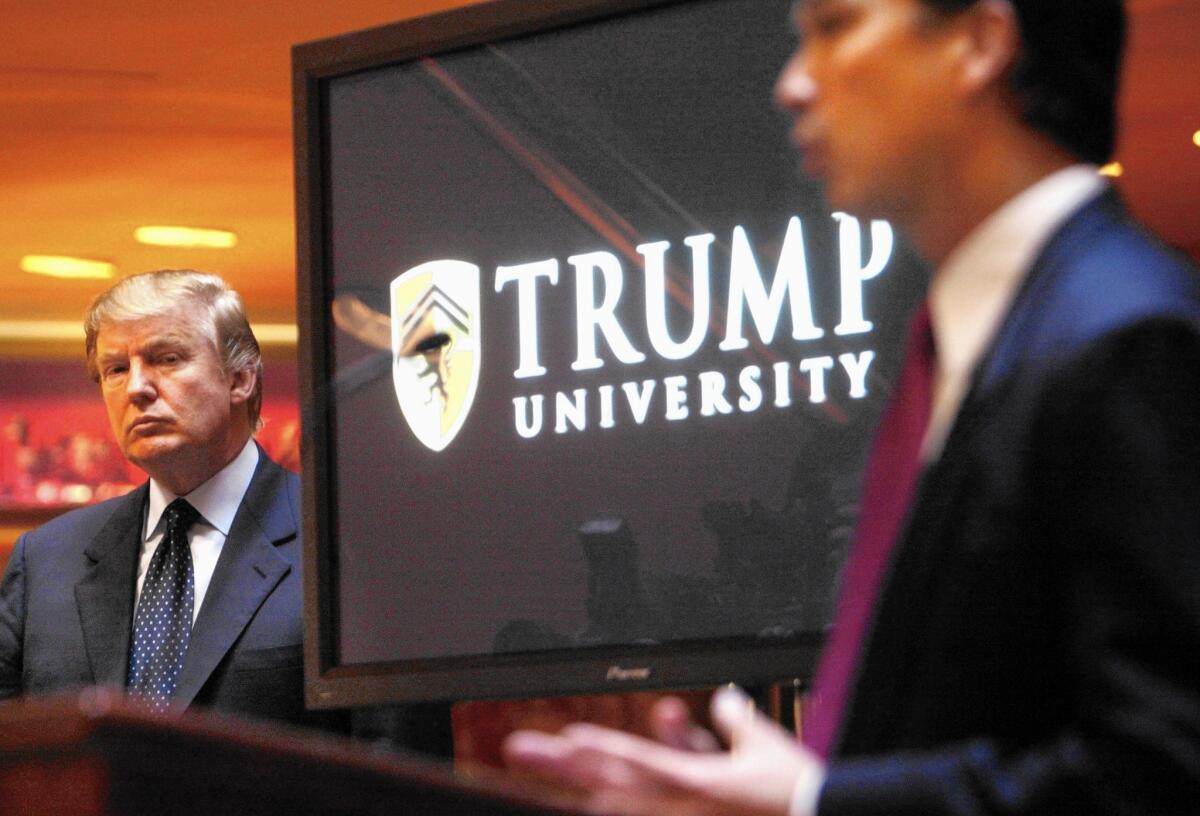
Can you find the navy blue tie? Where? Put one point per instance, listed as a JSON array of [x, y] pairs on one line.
[[163, 621]]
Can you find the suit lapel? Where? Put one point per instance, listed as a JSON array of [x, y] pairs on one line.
[[919, 563], [105, 595], [246, 573]]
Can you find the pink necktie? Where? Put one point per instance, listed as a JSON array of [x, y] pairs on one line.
[[892, 473]]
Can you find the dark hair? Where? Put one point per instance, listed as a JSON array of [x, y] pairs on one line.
[[1066, 75]]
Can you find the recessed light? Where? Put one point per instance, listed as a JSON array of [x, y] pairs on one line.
[[63, 266], [185, 237], [1112, 170], [268, 334]]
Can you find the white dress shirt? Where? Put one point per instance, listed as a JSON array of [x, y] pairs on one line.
[[971, 292], [968, 297], [217, 501]]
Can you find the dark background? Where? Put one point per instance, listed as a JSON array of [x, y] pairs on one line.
[[664, 120]]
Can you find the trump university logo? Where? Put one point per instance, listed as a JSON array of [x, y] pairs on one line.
[[435, 347], [436, 338]]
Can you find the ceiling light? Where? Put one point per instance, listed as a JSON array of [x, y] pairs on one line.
[[62, 266], [276, 334], [41, 330], [185, 237], [1112, 170], [61, 331], [1196, 138]]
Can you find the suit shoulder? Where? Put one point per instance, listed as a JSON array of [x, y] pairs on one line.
[[74, 529], [276, 478], [1103, 270], [292, 482], [274, 499], [1100, 274], [92, 516]]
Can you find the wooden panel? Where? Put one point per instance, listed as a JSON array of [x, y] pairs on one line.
[[92, 755], [53, 787]]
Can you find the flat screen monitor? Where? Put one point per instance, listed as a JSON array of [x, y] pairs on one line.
[[589, 368]]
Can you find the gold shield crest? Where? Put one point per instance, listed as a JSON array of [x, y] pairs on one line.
[[435, 347]]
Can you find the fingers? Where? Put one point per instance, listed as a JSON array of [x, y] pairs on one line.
[[671, 724], [563, 759], [533, 750], [585, 756], [731, 711], [598, 783], [593, 756], [618, 773], [741, 724]]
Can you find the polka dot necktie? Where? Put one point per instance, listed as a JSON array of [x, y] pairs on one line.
[[163, 620]]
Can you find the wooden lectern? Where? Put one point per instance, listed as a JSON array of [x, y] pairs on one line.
[[93, 754]]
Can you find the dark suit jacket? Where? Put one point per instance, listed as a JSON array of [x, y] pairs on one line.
[[66, 605], [1036, 646]]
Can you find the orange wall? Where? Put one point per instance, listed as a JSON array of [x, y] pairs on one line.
[[55, 402]]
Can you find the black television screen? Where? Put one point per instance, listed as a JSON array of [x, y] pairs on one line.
[[589, 369]]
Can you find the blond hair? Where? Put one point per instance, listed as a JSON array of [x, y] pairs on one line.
[[153, 294]]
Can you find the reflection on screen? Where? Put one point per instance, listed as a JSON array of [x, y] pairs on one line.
[[605, 365]]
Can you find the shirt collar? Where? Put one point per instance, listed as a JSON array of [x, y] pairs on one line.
[[971, 291], [217, 500]]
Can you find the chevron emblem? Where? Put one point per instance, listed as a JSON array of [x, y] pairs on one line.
[[435, 347]]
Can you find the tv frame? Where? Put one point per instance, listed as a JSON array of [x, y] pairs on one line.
[[576, 670]]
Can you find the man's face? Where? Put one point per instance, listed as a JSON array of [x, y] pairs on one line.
[[872, 100], [174, 411]]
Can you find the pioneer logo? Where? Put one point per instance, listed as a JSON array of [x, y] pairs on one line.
[[618, 674], [435, 347]]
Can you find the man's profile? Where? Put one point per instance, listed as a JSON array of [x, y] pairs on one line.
[[1019, 627]]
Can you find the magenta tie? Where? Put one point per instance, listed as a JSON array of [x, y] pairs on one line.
[[891, 478]]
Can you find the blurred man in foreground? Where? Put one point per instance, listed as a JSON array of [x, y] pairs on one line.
[[187, 590], [1019, 627]]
